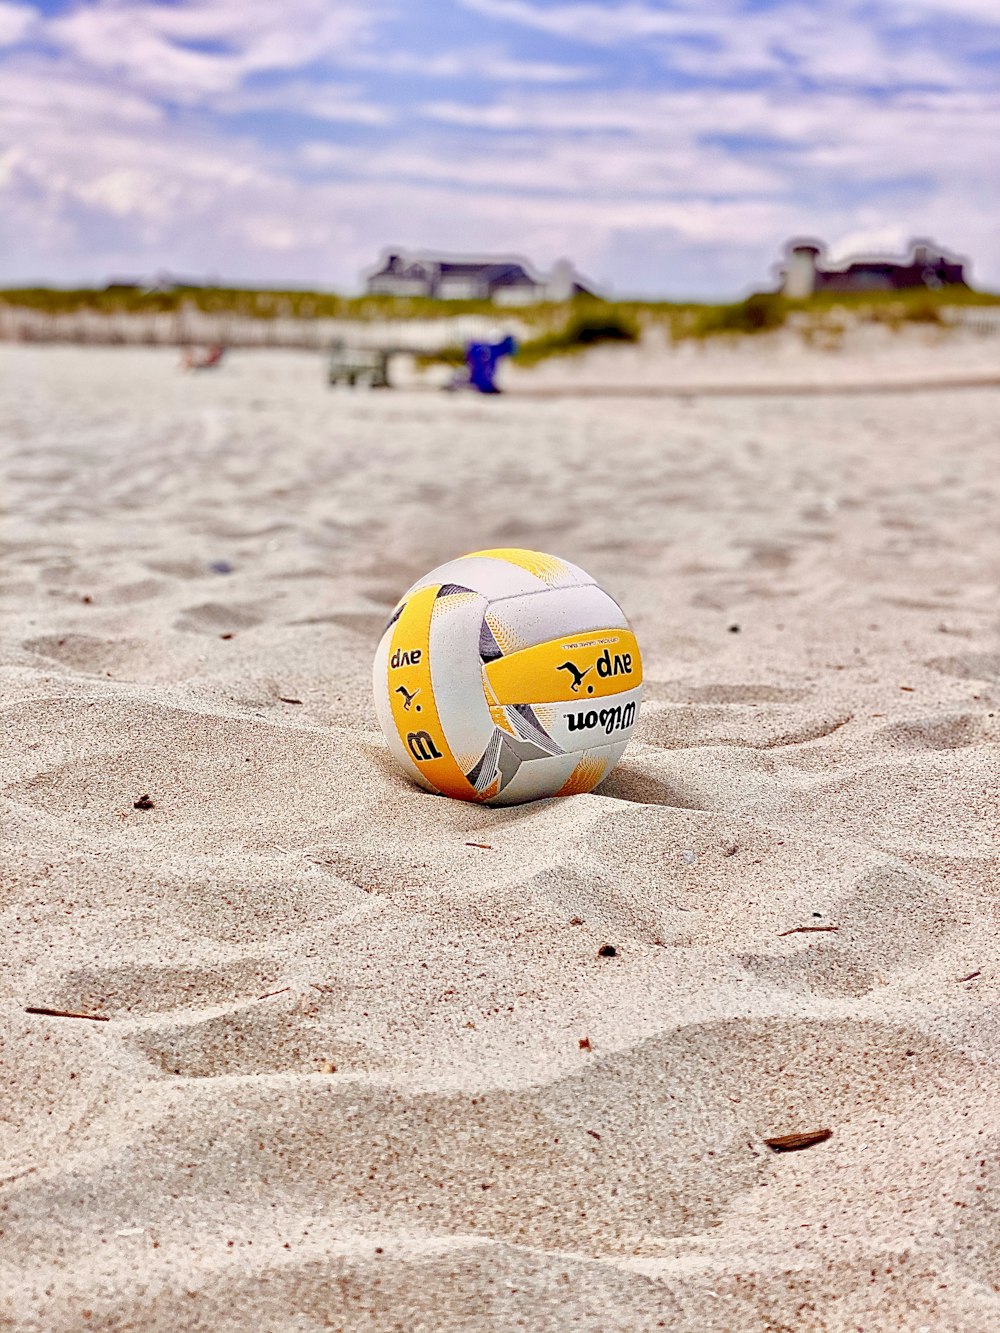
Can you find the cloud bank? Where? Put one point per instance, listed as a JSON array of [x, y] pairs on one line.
[[667, 148]]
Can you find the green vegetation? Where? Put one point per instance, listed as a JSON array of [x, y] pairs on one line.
[[578, 333], [602, 325], [759, 313], [553, 329], [237, 301]]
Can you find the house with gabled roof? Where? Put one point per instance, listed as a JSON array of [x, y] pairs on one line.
[[506, 281]]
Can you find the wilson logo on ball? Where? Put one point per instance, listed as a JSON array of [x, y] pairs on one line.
[[494, 645], [422, 746], [611, 719]]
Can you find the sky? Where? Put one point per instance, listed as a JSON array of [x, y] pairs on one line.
[[667, 147]]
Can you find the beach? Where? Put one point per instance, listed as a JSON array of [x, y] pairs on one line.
[[330, 1052]]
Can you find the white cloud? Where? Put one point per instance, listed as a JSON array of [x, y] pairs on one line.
[[984, 11], [36, 94], [192, 50], [193, 201], [116, 153], [869, 242], [490, 63], [716, 40], [931, 129], [16, 22], [10, 161], [598, 168], [596, 24]]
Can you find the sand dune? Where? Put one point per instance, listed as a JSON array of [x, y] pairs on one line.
[[363, 1066]]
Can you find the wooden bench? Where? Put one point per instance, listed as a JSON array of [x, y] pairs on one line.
[[359, 365]]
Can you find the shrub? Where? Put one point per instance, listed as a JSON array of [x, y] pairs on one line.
[[759, 313], [589, 330]]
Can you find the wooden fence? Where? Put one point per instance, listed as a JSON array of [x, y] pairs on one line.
[[977, 318], [189, 326]]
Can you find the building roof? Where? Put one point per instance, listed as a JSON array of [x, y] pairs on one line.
[[454, 266], [920, 251], [493, 271]]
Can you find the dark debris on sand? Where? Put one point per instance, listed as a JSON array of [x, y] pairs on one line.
[[795, 1142]]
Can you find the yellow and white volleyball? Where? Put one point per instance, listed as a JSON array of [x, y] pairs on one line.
[[507, 676]]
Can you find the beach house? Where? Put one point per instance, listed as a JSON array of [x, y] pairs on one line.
[[806, 270], [503, 280]]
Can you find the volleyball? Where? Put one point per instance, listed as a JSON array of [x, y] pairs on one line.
[[507, 676]]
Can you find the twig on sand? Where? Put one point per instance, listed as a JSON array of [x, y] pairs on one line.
[[9, 1180], [64, 1013], [806, 930], [971, 977], [793, 1142], [284, 699], [269, 994], [484, 845]]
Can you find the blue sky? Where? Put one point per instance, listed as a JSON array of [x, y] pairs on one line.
[[667, 148]]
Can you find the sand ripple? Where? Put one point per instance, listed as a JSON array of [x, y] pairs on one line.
[[359, 1072]]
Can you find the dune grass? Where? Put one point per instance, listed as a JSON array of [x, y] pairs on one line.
[[553, 328], [248, 302]]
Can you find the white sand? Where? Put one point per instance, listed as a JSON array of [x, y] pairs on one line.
[[866, 354], [197, 1162]]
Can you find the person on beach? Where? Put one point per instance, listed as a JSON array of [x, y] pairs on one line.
[[207, 360], [481, 361]]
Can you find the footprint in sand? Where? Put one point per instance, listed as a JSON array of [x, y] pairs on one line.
[[977, 1230], [384, 594], [739, 694], [767, 555], [266, 1038], [180, 569], [152, 988], [369, 624], [950, 731], [969, 666], [140, 591], [217, 618], [817, 969], [626, 783], [862, 954], [87, 654], [677, 728]]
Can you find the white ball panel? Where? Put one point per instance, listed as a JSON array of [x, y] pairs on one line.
[[538, 617], [457, 676], [537, 779], [576, 576], [492, 578]]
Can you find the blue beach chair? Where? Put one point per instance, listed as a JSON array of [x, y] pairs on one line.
[[482, 359]]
